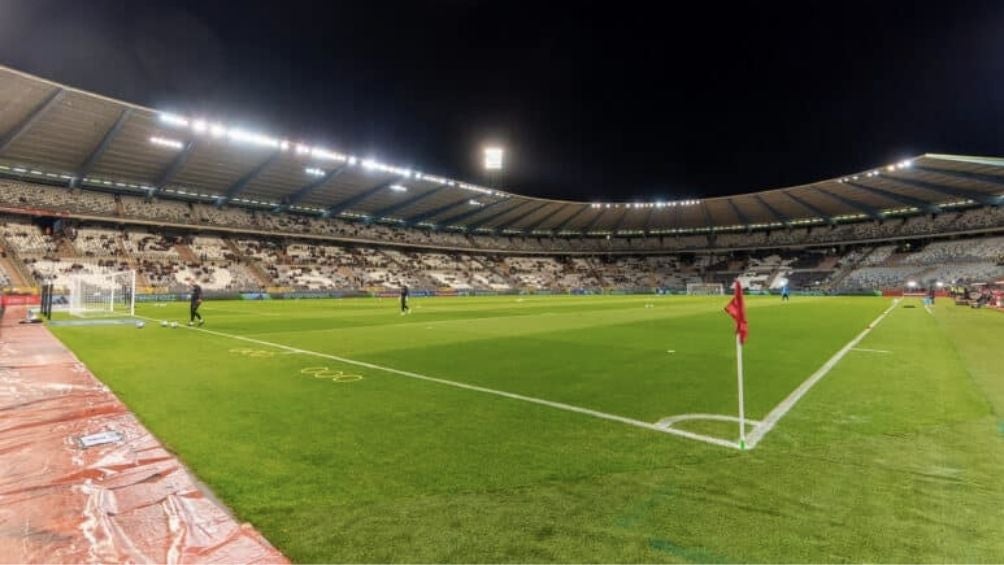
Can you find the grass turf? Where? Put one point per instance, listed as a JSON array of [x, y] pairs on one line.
[[892, 457]]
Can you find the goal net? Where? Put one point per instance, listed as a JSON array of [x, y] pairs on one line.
[[111, 294], [704, 289]]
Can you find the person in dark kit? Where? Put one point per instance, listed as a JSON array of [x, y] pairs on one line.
[[405, 309], [931, 295], [196, 302], [784, 293]]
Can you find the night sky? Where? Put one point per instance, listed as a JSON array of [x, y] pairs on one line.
[[614, 100]]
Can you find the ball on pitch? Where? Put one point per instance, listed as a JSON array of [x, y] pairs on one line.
[[174, 324], [140, 324], [163, 323]]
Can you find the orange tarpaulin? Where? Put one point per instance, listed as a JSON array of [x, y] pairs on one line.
[[126, 501]]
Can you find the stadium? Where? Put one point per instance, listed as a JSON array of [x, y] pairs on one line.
[[559, 384]]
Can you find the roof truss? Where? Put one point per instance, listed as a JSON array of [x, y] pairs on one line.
[[36, 114], [901, 198], [238, 187], [99, 150], [443, 209], [490, 217], [357, 199], [309, 188], [387, 211], [524, 215], [784, 219], [866, 210]]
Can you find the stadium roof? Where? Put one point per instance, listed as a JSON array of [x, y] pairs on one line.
[[57, 133]]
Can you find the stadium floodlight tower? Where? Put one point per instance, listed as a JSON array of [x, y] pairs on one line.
[[494, 156]]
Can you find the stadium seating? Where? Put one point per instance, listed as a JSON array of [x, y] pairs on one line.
[[287, 250]]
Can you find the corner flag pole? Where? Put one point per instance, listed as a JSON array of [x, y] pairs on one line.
[[742, 410], [737, 309]]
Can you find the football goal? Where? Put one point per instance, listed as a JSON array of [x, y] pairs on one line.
[[704, 289], [110, 294]]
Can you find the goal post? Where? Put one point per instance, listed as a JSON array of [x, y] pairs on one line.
[[106, 294], [705, 289]]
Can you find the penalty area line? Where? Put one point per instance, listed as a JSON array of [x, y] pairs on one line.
[[476, 388], [779, 411]]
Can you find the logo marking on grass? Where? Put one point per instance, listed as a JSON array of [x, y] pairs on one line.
[[333, 374], [248, 352]]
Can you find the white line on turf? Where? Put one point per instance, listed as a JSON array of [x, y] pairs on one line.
[[511, 395], [775, 415], [672, 420], [866, 350]]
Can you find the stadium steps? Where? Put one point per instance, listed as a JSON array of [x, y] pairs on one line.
[[840, 275], [258, 273], [66, 250], [13, 273], [252, 266], [186, 253]]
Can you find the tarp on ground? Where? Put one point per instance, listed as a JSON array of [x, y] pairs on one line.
[[126, 501]]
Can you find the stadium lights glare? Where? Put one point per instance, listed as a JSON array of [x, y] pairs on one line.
[[398, 188], [911, 284], [219, 131], [165, 142], [319, 153], [473, 202], [174, 120], [314, 171], [493, 158]]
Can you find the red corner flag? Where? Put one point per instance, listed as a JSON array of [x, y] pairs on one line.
[[737, 309]]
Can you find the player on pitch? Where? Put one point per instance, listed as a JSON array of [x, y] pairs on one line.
[[196, 302], [405, 309]]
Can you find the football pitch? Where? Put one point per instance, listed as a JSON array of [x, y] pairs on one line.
[[581, 429]]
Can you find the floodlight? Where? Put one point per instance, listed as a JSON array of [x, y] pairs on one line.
[[493, 158], [398, 188], [165, 142], [174, 120], [911, 284]]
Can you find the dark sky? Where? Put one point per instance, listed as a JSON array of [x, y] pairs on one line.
[[611, 100]]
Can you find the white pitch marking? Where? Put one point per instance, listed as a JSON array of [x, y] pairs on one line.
[[788, 403], [670, 351], [866, 350], [511, 395], [671, 420]]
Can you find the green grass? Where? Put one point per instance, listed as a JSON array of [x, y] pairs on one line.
[[892, 457]]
